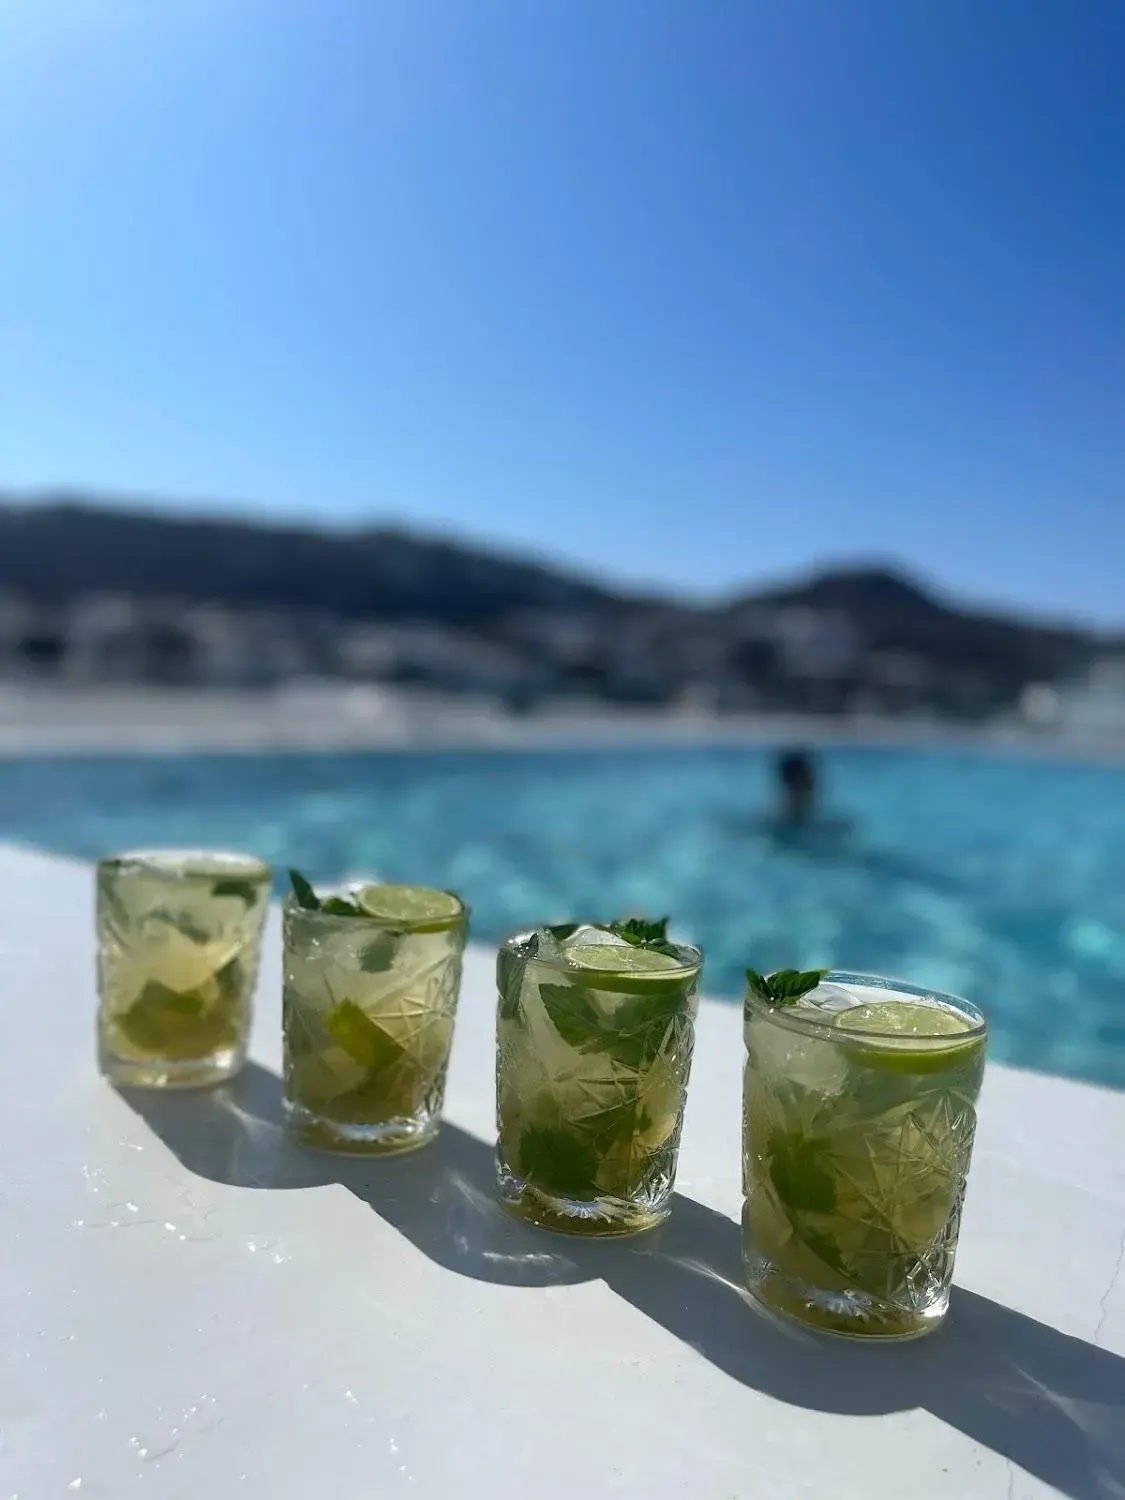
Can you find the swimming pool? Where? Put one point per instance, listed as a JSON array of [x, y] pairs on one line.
[[1001, 880]]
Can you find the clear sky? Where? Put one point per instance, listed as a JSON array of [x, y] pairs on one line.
[[686, 290]]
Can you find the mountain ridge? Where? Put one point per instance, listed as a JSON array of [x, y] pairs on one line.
[[825, 584], [389, 604]]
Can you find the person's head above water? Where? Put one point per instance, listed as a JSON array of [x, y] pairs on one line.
[[796, 779]]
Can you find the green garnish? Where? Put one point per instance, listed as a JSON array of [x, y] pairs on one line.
[[785, 986], [340, 906], [642, 1026], [185, 1025], [640, 929], [826, 1248], [633, 1035], [245, 890], [308, 900], [642, 933], [364, 1040], [574, 1016], [559, 1162], [511, 965], [303, 892], [379, 954], [159, 1010], [801, 1173]]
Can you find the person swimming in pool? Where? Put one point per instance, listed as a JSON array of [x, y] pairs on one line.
[[798, 819], [797, 789]]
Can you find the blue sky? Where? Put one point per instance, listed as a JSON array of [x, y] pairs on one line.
[[688, 291]]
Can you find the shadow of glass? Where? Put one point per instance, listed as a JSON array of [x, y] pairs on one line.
[[1052, 1404]]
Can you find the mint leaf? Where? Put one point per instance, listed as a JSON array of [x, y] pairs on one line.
[[800, 1170], [784, 986], [633, 1035], [620, 1122], [157, 996], [638, 930], [244, 890], [640, 1025], [381, 1096], [303, 892], [790, 984], [827, 1249], [308, 900], [510, 969], [340, 906], [642, 1013], [618, 1136], [558, 1162], [642, 933], [177, 1025], [363, 1039], [757, 985], [379, 954], [574, 1016], [230, 979]]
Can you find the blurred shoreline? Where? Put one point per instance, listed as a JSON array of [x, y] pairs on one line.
[[328, 717]]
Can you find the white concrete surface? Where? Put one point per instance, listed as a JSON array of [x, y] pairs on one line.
[[188, 1307]]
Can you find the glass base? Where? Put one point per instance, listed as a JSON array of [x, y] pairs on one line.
[[845, 1315], [390, 1138], [163, 1073], [596, 1217]]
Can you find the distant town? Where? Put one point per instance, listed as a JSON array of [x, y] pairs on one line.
[[92, 596]]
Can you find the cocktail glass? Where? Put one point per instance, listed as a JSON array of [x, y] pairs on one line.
[[594, 1043], [179, 936], [368, 1009], [858, 1121]]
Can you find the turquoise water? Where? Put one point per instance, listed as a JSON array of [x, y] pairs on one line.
[[1003, 881]]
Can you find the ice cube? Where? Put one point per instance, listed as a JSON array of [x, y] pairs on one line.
[[819, 1067], [549, 945], [543, 944], [795, 1060], [828, 997], [593, 937]]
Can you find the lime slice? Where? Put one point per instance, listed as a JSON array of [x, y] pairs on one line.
[[415, 908], [620, 958], [363, 1039], [623, 967], [915, 1035], [179, 962], [180, 1026]]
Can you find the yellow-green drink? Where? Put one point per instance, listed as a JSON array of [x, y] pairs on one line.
[[179, 934], [371, 986], [594, 1043], [859, 1114]]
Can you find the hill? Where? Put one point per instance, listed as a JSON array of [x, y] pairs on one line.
[[94, 593], [53, 553]]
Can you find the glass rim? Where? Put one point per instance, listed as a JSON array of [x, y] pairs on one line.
[[169, 863], [783, 1015], [290, 906], [683, 968]]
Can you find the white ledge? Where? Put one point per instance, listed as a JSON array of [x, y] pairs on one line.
[[192, 1308]]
